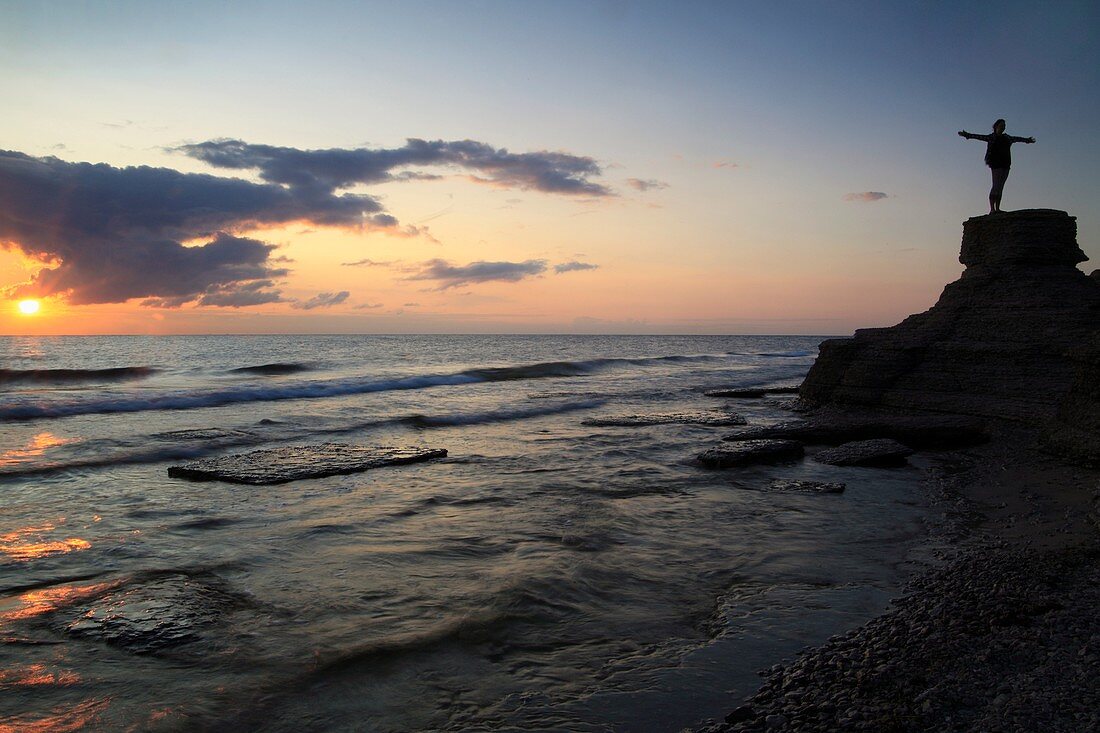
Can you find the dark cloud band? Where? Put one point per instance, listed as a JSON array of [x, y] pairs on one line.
[[107, 234]]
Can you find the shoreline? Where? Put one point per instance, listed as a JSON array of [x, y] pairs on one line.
[[998, 633]]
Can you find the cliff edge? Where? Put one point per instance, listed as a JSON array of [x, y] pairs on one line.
[[998, 343]]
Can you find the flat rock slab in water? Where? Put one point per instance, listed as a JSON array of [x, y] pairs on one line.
[[684, 418], [744, 392], [279, 465], [919, 431], [752, 391], [150, 616], [750, 451], [880, 452], [807, 487]]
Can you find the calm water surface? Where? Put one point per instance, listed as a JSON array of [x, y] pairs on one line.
[[547, 575]]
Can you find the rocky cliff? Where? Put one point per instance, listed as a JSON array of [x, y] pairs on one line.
[[1075, 431], [996, 344]]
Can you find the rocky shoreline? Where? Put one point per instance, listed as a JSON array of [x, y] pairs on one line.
[[1001, 632]]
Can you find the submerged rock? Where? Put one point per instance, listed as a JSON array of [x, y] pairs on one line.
[[993, 345], [279, 465], [919, 431], [202, 434], [878, 452], [753, 391], [687, 418], [742, 392], [807, 487], [751, 451], [153, 615]]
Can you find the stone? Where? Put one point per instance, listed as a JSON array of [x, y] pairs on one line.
[[1075, 430], [807, 487], [741, 392], [834, 428], [154, 614], [751, 451], [686, 418], [877, 452], [279, 465], [994, 344]]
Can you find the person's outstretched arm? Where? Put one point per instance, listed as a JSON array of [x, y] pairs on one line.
[[972, 136], [1027, 140]]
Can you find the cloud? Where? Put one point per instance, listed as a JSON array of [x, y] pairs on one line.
[[646, 185], [866, 196], [574, 266], [368, 306], [324, 171], [453, 276], [107, 235], [321, 300], [240, 295], [725, 164], [368, 263]]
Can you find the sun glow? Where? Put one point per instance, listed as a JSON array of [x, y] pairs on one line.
[[29, 307]]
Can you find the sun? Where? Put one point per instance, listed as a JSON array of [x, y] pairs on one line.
[[29, 307]]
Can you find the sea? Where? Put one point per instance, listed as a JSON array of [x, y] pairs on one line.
[[568, 566]]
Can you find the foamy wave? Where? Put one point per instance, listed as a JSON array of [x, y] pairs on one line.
[[22, 408], [219, 397]]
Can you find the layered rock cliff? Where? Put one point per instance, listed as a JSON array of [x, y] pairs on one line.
[[1075, 431], [997, 342]]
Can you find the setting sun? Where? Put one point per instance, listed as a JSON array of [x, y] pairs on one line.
[[29, 307]]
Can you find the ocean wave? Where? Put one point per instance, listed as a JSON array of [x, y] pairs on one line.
[[274, 369], [787, 354], [22, 408], [73, 376], [196, 443], [490, 416]]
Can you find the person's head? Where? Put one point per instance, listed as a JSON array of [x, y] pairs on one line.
[[999, 126]]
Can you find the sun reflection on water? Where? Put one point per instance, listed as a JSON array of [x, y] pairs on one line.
[[35, 447], [37, 602], [60, 720], [29, 543], [35, 675]]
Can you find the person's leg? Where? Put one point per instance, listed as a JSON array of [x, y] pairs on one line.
[[1000, 175]]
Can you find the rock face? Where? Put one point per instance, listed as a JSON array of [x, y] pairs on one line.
[[994, 345], [1075, 431], [279, 465]]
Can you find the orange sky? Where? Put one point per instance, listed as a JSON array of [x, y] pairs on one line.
[[751, 169]]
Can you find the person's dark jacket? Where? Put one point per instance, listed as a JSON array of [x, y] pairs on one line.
[[998, 153]]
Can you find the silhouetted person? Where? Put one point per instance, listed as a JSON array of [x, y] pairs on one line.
[[998, 156]]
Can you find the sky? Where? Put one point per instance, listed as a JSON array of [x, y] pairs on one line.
[[521, 167]]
